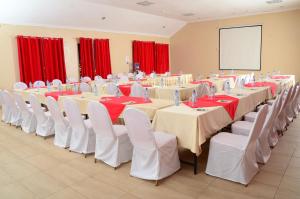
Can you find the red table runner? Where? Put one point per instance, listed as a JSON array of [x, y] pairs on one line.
[[280, 77], [229, 103], [126, 88], [116, 105], [272, 85], [56, 94], [228, 76], [202, 82]]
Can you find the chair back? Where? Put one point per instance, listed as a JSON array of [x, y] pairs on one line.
[[139, 128], [130, 75], [39, 84], [123, 79], [73, 113], [100, 120], [55, 111], [86, 79], [257, 125], [84, 87], [72, 79], [97, 77], [20, 85], [20, 102], [109, 76], [137, 90], [37, 109], [56, 82], [111, 88], [9, 101], [202, 89]]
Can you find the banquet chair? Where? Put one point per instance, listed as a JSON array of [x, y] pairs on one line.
[[109, 76], [111, 88], [83, 136], [20, 85], [281, 122], [84, 87], [263, 150], [226, 85], [97, 77], [247, 78], [130, 75], [112, 142], [232, 157], [155, 153], [62, 128], [240, 81], [28, 121], [140, 75], [123, 79], [57, 82], [202, 89], [137, 90], [291, 105], [72, 79], [11, 112], [39, 84], [99, 81], [45, 124], [86, 79]]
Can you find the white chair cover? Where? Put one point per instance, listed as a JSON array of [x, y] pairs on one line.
[[232, 157], [155, 154], [72, 79], [84, 87], [100, 81], [281, 118], [86, 79], [291, 105], [111, 88], [63, 130], [39, 84], [137, 90], [130, 75], [202, 89], [140, 75], [109, 76], [263, 151], [28, 123], [123, 79], [112, 142], [20, 85], [56, 82], [97, 77], [83, 137], [45, 124], [11, 113]]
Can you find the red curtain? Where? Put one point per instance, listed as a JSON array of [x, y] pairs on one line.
[[86, 57], [30, 59], [143, 53], [53, 59], [161, 58], [102, 57]]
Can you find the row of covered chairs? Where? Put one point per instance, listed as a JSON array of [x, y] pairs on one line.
[[234, 156], [154, 155]]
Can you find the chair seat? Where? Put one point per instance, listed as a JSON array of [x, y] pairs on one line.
[[250, 117], [120, 130], [241, 128], [232, 140], [270, 102], [88, 123], [162, 138]]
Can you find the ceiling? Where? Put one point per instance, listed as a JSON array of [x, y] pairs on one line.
[[204, 9], [162, 18]]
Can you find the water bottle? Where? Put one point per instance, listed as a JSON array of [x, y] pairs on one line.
[[268, 75], [232, 71], [194, 97], [177, 98], [59, 87], [212, 91], [117, 94], [261, 76], [48, 86], [30, 85], [161, 82], [146, 96], [178, 81], [95, 90], [227, 87], [242, 83]]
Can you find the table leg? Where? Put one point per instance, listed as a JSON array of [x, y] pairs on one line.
[[195, 164]]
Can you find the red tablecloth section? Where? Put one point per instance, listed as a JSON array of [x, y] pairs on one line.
[[116, 105], [202, 82], [272, 85], [280, 77], [228, 76], [56, 94], [230, 104], [126, 88]]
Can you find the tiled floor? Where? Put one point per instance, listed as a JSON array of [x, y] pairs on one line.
[[31, 167]]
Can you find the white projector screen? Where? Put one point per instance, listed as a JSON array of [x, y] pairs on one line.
[[240, 48]]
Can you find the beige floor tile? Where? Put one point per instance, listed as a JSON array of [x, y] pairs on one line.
[[7, 157], [293, 172], [128, 196], [67, 193], [277, 164], [19, 170], [43, 161], [42, 185], [215, 193], [291, 184], [96, 190], [84, 165], [25, 151], [284, 148], [254, 189], [66, 174], [5, 178], [297, 152], [15, 191], [268, 178], [286, 194], [295, 162]]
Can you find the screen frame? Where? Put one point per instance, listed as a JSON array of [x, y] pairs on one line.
[[247, 26]]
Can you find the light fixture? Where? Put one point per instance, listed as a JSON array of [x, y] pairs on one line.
[[145, 3], [189, 14], [103, 18], [274, 1]]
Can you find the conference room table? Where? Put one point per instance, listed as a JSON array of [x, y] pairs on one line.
[[218, 82], [193, 126]]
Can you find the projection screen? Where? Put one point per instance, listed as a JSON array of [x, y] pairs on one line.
[[240, 48]]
